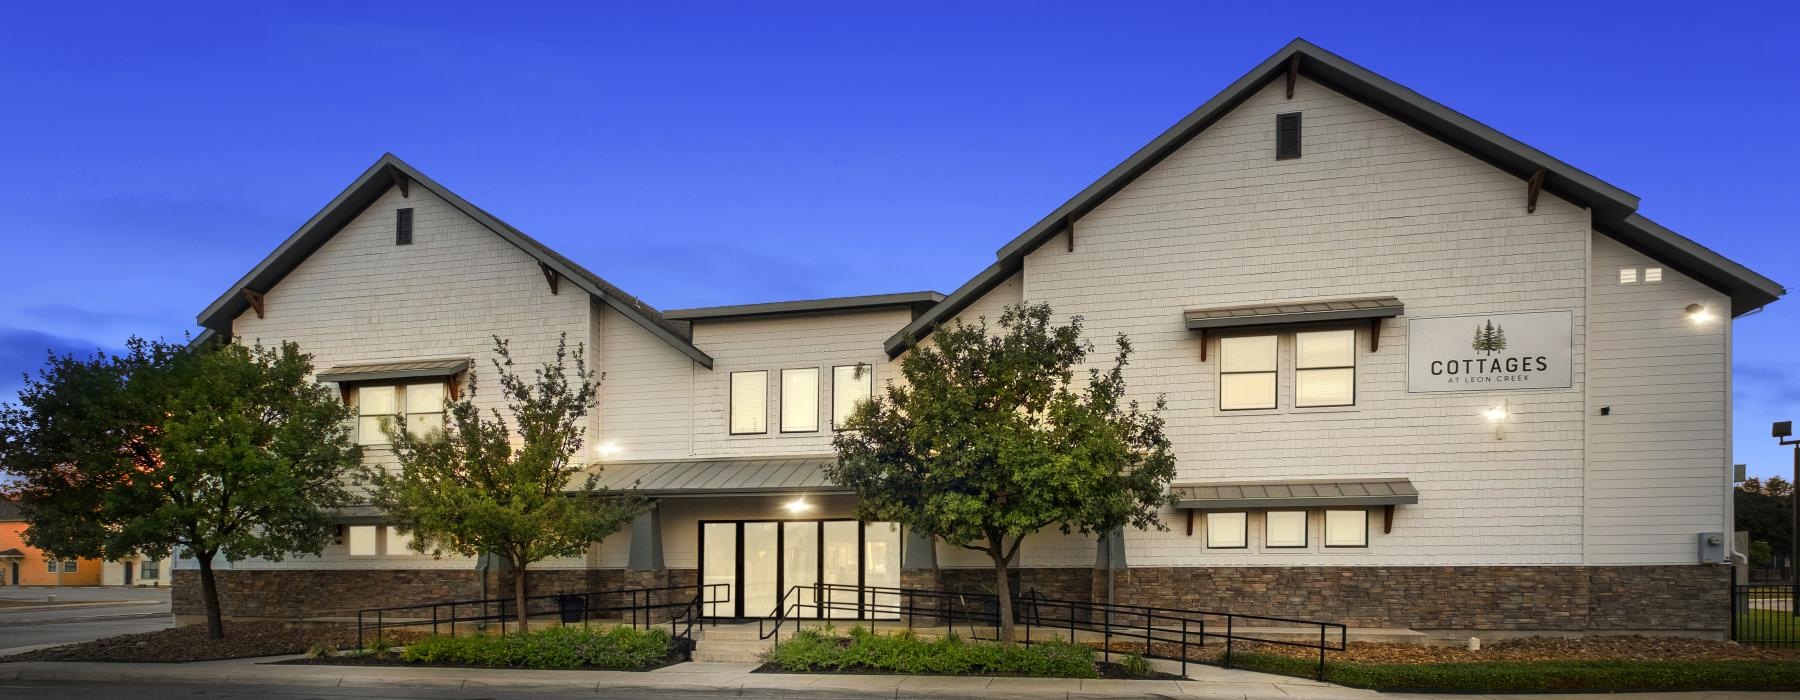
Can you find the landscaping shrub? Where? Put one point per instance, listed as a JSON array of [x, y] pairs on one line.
[[904, 652], [1542, 676], [618, 648]]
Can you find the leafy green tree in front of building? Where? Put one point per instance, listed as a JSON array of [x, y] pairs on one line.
[[1765, 510], [217, 450], [991, 437], [484, 485]]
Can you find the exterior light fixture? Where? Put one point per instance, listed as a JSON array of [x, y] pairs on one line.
[[1698, 313], [607, 449], [1497, 415], [797, 506], [1783, 432]]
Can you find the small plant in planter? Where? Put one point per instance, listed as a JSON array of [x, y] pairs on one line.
[[1135, 664], [321, 650], [380, 648]]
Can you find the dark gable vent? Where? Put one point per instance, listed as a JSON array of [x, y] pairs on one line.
[[403, 227], [1287, 136]]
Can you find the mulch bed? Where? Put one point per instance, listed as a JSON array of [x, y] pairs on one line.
[[190, 643], [1625, 648], [394, 660]]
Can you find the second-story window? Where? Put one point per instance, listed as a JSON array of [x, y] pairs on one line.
[[1325, 368], [850, 385], [800, 400], [749, 403], [1246, 372], [375, 406]]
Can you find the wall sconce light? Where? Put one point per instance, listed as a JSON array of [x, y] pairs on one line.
[[1698, 313], [1497, 415], [797, 506], [607, 449]]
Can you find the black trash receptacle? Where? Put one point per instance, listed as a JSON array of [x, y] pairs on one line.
[[572, 607]]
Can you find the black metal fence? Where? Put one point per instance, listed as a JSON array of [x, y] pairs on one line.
[[1764, 614], [1164, 633], [679, 606]]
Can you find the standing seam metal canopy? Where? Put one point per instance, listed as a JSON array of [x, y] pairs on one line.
[[717, 477], [1295, 494]]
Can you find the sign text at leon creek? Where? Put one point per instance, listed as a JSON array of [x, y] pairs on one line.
[[1489, 352]]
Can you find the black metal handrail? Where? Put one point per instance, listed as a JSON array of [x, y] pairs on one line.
[[639, 604], [1175, 629]]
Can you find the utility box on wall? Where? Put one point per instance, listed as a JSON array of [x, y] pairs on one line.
[[1712, 548]]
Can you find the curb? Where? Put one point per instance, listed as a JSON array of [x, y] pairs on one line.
[[76, 606], [90, 618]]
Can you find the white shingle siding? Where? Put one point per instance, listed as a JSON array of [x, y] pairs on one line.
[[1372, 208], [1658, 466], [646, 406]]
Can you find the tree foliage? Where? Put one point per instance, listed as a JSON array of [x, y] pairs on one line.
[[489, 485], [991, 438], [1765, 510], [224, 449]]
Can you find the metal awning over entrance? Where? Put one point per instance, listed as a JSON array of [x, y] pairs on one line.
[[389, 371], [1297, 494], [1372, 309], [722, 477]]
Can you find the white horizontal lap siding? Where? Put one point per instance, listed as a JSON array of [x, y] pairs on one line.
[[1373, 207], [361, 298], [646, 400], [819, 341], [1656, 474]]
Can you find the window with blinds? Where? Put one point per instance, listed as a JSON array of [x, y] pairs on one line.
[[1226, 530], [1325, 368], [800, 400], [1246, 372], [1284, 529], [850, 385], [1346, 528], [749, 402]]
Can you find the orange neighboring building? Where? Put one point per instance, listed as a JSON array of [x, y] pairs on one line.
[[24, 565]]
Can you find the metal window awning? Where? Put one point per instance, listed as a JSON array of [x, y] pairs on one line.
[[1372, 309], [388, 371], [1307, 493], [722, 477]]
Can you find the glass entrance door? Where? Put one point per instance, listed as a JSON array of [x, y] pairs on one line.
[[759, 560]]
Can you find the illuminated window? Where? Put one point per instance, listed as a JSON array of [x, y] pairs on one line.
[[375, 406], [1226, 530], [1325, 368], [1284, 529], [800, 400], [424, 408], [749, 402], [361, 539], [850, 385], [399, 543], [1652, 275], [1246, 372], [1346, 528], [1628, 275]]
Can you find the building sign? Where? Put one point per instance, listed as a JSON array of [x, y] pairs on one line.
[[1489, 352]]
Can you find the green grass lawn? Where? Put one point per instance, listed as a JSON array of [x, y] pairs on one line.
[[1542, 676], [1768, 626]]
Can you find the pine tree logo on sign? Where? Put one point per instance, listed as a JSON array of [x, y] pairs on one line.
[[1490, 339]]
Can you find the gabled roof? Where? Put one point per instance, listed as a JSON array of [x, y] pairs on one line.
[[384, 174], [1614, 210], [918, 301]]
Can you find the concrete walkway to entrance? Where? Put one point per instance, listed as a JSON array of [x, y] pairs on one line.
[[717, 679]]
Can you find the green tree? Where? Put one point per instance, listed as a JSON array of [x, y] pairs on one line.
[[223, 449], [483, 485], [991, 438], [1764, 510]]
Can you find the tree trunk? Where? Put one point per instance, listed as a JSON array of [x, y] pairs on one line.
[[209, 591], [519, 597], [1003, 596]]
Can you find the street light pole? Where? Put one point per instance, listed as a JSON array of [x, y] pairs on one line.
[[1781, 431]]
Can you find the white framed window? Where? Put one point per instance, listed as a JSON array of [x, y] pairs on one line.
[[1628, 275], [150, 569], [424, 408], [749, 402], [361, 540], [1284, 529], [1652, 275], [375, 405], [399, 542], [1226, 531], [50, 565], [1346, 528], [1246, 372], [800, 400], [68, 566], [1324, 368], [849, 389]]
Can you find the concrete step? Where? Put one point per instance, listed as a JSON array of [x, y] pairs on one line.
[[727, 657]]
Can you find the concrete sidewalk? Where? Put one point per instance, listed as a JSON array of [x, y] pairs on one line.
[[724, 680]]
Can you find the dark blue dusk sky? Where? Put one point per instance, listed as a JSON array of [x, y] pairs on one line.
[[151, 153]]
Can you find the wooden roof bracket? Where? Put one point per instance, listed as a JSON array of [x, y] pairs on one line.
[[403, 182], [551, 277], [1387, 519], [1202, 344], [1069, 223], [255, 299], [1374, 334], [1293, 74], [1532, 188]]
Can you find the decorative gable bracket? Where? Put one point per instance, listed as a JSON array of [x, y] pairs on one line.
[[550, 276], [255, 300]]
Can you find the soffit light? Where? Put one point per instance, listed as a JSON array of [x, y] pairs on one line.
[[798, 505], [607, 449]]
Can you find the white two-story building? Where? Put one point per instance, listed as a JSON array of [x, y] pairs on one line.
[[1419, 375]]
